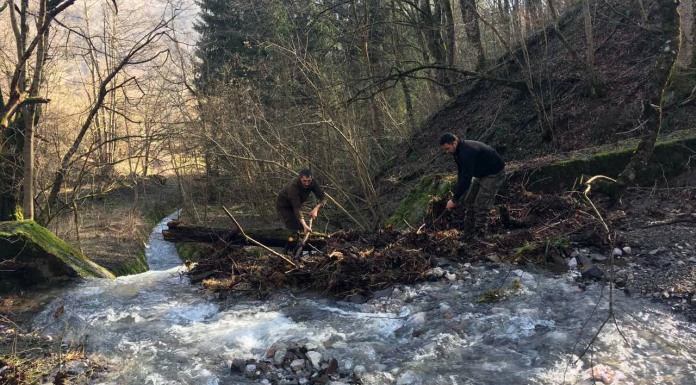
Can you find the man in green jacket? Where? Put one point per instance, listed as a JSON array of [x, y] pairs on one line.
[[293, 195]]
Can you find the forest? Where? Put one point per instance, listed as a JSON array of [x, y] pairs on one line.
[[115, 113]]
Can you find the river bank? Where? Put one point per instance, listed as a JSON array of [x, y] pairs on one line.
[[112, 231]]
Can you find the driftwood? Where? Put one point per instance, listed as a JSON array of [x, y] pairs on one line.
[[257, 243], [180, 232]]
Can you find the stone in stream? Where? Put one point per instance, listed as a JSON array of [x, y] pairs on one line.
[[315, 358], [333, 367], [238, 365], [592, 272], [297, 364]]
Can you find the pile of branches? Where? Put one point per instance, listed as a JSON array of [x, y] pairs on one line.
[[531, 228], [524, 227], [351, 264]]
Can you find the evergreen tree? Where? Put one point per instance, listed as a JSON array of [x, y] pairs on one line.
[[231, 33]]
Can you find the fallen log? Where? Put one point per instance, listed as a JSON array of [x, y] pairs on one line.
[[180, 232]]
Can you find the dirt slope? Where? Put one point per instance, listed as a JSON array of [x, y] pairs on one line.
[[626, 48]]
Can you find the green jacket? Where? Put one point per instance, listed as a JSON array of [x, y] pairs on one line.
[[293, 195]]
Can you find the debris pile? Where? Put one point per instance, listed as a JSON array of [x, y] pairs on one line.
[[351, 264]]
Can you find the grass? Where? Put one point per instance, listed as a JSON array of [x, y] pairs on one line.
[[30, 359]]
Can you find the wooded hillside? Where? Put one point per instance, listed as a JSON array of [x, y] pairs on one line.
[[353, 90]]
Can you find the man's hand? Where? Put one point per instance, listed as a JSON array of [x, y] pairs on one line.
[[451, 204], [307, 227], [314, 212]]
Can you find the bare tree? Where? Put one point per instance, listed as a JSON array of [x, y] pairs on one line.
[[140, 51], [23, 95], [660, 86]]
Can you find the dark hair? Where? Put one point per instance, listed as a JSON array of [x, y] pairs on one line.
[[447, 138], [305, 172]]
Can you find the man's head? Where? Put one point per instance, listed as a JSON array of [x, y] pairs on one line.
[[449, 142], [305, 177]]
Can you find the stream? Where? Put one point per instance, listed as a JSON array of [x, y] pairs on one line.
[[155, 328]]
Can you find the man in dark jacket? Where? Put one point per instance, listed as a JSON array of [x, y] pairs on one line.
[[293, 195], [479, 172]]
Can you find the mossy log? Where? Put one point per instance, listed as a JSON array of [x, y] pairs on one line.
[[180, 232]]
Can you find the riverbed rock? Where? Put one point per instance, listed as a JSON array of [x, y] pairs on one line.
[[315, 358], [237, 365], [279, 356], [297, 364], [250, 371], [333, 367], [592, 272]]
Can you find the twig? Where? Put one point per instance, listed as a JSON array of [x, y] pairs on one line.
[[679, 218], [610, 237], [301, 244], [409, 225], [248, 238]]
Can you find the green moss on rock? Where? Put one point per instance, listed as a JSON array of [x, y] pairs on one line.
[[30, 254], [414, 206], [131, 266], [670, 158]]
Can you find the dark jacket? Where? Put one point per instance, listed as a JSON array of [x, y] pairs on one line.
[[474, 159], [293, 195]]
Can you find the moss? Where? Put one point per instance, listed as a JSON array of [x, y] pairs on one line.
[[189, 251], [497, 295], [413, 207], [558, 242], [669, 158], [34, 254], [490, 296], [527, 249], [133, 265]]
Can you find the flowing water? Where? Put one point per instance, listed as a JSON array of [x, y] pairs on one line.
[[155, 328]]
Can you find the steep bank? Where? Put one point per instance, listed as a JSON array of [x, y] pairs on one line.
[[504, 117]]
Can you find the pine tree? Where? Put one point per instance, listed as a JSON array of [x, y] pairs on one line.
[[229, 44]]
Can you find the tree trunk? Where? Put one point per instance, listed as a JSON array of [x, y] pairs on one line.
[[594, 82], [473, 32], [684, 83], [660, 81], [10, 143], [28, 174], [504, 12], [436, 46]]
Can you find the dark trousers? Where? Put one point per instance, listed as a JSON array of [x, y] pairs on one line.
[[287, 216], [479, 200]]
